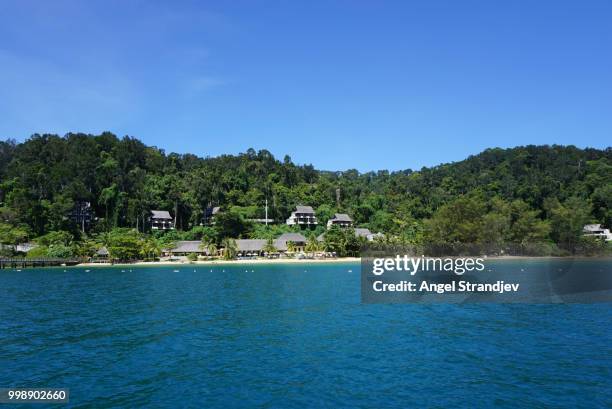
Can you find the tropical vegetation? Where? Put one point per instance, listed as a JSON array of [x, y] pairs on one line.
[[528, 194]]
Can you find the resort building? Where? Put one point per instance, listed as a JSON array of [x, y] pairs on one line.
[[250, 247], [302, 216], [596, 230], [341, 220], [161, 220], [298, 241], [186, 247]]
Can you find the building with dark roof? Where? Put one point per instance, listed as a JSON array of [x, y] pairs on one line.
[[340, 220], [302, 216], [298, 240], [186, 247], [161, 220], [250, 247]]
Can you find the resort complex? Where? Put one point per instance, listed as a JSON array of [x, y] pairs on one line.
[[104, 198]]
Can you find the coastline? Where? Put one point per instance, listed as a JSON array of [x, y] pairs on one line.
[[307, 261], [219, 262]]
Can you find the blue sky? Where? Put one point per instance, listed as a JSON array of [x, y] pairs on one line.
[[339, 84]]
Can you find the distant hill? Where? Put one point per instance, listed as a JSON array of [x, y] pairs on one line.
[[42, 178]]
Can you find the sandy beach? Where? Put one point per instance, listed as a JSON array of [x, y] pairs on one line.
[[299, 261], [218, 262]]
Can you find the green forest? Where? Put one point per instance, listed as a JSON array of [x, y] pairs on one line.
[[529, 194]]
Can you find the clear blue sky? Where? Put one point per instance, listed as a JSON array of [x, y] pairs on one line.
[[339, 84]]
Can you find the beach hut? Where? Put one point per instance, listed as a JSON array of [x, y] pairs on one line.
[[101, 255]]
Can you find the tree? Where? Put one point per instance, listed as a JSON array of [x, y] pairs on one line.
[[602, 204], [335, 241], [60, 251], [269, 246], [209, 245], [312, 245], [230, 248], [568, 220], [526, 225], [108, 197], [230, 224], [352, 243], [11, 235], [460, 221], [55, 238], [291, 247], [123, 180], [150, 249], [124, 244]]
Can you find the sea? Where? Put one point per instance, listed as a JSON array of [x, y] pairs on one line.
[[289, 336]]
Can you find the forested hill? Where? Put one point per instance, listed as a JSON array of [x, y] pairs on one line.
[[124, 179]]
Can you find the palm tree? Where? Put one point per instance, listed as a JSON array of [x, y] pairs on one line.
[[209, 245], [313, 245], [230, 248], [290, 247], [104, 238], [269, 246], [212, 249], [150, 249]]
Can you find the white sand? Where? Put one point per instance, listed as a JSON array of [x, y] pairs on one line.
[[213, 262]]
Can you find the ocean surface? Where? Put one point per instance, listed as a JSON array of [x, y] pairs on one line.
[[289, 336]]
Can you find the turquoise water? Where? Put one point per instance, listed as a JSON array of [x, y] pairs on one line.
[[289, 336]]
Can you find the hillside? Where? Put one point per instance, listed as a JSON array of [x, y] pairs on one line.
[[123, 179]]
